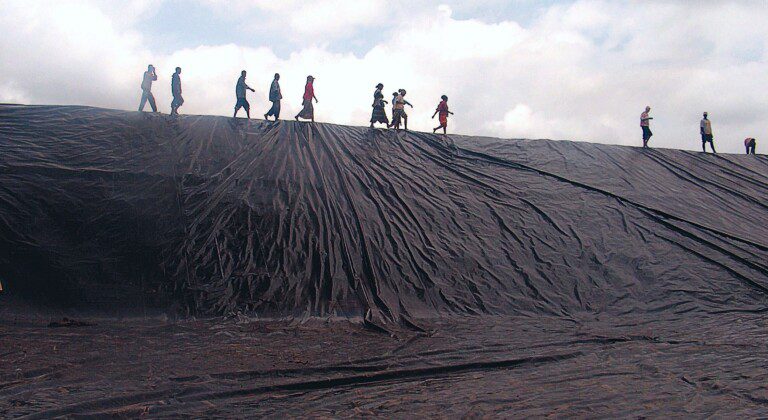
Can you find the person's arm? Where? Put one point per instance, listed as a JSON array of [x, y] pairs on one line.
[[450, 112], [154, 75], [249, 88], [313, 95], [701, 127], [407, 103], [433, 115]]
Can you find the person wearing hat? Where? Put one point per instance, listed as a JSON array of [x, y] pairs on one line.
[[399, 113], [750, 144], [240, 91], [442, 108], [146, 89], [706, 133], [308, 112], [274, 96], [645, 124], [379, 115]]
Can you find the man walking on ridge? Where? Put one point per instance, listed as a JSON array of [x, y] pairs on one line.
[[274, 96], [706, 134], [177, 101], [750, 144], [645, 122], [146, 89], [240, 94]]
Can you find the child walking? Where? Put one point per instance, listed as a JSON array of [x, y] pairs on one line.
[[442, 109]]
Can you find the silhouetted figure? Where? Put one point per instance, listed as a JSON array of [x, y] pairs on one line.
[[751, 145], [274, 96], [308, 111], [442, 109], [240, 89], [379, 115], [146, 89], [706, 134], [645, 124], [399, 113], [177, 101]]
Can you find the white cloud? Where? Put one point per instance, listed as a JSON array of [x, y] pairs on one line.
[[581, 71]]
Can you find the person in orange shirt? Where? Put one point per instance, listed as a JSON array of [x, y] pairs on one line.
[[442, 109], [308, 112]]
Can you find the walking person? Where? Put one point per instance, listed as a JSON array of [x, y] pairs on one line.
[[177, 101], [645, 124], [750, 144], [240, 91], [442, 109], [146, 89], [379, 115], [308, 111], [399, 113], [274, 96], [706, 133]]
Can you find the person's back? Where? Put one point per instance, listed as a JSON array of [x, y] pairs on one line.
[[240, 88], [176, 84]]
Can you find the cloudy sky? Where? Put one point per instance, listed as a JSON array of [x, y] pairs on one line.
[[581, 70]]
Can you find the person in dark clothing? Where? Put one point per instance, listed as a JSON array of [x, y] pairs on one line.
[[379, 115], [240, 89], [706, 134], [308, 111], [442, 109], [274, 96], [177, 101], [751, 145], [146, 89]]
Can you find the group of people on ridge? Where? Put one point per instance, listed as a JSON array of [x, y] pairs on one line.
[[379, 114], [705, 129]]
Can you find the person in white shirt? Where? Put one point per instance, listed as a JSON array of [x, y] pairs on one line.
[[706, 133]]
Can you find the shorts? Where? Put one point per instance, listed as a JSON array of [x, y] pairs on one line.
[[443, 120], [706, 138], [646, 132], [241, 102]]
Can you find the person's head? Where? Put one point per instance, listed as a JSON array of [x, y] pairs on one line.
[[178, 70], [277, 76], [402, 92], [150, 68], [243, 73], [310, 79], [445, 98], [647, 109], [395, 93], [706, 114], [380, 86]]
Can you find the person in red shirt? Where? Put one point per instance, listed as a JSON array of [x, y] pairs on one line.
[[442, 109], [308, 112]]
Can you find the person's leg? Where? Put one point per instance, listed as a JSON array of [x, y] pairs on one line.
[[237, 108], [405, 121], [143, 101], [445, 129], [152, 103], [712, 145], [247, 107], [704, 146]]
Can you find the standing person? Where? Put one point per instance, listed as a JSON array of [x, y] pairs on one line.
[[308, 111], [442, 108], [399, 113], [706, 133], [240, 89], [146, 89], [274, 96], [379, 115], [750, 144], [177, 101], [645, 124]]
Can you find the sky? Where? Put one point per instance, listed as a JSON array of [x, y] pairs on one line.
[[560, 69]]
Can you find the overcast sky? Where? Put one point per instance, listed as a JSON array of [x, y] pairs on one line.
[[580, 70]]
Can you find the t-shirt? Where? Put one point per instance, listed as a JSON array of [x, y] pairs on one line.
[[240, 88], [309, 92], [442, 107], [644, 122], [146, 83], [175, 84], [706, 126]]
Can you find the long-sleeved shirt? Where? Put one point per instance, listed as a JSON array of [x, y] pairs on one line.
[[241, 87], [146, 83], [175, 84]]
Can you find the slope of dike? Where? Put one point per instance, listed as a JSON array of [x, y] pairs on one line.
[[104, 209]]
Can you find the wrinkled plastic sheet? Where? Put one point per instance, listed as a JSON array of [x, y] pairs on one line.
[[513, 277]]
